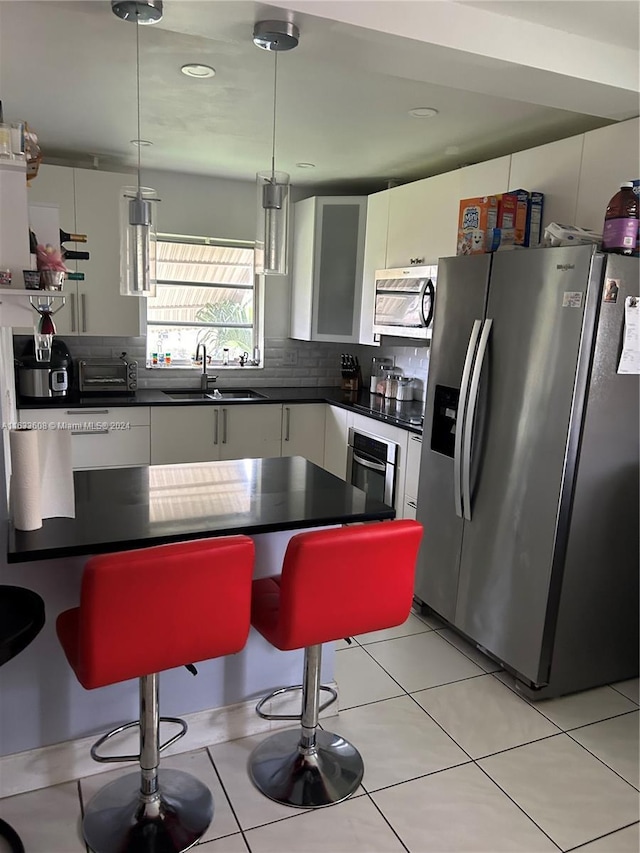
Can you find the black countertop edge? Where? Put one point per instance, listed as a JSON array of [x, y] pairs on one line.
[[249, 530], [404, 415]]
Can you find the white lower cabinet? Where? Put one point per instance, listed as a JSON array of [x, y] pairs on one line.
[[100, 438], [414, 454], [335, 441], [303, 431], [208, 433]]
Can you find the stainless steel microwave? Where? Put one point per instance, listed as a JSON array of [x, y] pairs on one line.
[[405, 299]]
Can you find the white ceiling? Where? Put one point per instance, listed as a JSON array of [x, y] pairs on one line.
[[343, 94]]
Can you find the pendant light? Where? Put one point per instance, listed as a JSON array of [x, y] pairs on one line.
[[273, 186], [138, 203]]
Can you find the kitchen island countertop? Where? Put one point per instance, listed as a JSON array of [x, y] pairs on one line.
[[123, 508]]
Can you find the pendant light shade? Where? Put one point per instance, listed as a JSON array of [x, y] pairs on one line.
[[137, 204], [272, 186], [137, 241]]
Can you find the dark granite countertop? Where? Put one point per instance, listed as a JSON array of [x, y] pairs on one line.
[[407, 415], [123, 508]]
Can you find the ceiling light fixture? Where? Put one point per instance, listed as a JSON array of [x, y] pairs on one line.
[[273, 187], [306, 165], [140, 11], [423, 112], [137, 204], [200, 72]]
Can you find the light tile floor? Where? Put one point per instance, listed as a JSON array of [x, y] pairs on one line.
[[456, 762]]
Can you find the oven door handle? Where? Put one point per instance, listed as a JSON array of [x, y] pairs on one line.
[[375, 466]]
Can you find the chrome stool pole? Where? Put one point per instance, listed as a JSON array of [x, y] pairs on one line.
[[309, 767], [154, 810]]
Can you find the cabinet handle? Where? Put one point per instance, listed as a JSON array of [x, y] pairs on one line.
[[89, 432], [416, 438], [83, 305], [412, 504], [73, 312], [287, 422], [216, 419], [224, 426], [87, 412]]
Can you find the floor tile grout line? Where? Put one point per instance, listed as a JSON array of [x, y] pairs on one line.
[[600, 837], [602, 761], [517, 805], [388, 639], [387, 821], [228, 797], [371, 792], [624, 694], [533, 705]]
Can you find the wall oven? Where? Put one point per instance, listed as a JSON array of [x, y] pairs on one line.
[[371, 465], [405, 299]]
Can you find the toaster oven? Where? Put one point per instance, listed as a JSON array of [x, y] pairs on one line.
[[107, 375]]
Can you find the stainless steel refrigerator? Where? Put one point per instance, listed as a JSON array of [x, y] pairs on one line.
[[529, 479]]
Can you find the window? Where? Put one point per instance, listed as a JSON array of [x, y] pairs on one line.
[[206, 294]]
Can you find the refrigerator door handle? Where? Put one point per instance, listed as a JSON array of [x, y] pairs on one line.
[[469, 417], [462, 404]]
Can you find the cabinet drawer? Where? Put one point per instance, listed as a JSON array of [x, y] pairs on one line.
[[110, 449], [108, 415], [414, 452]]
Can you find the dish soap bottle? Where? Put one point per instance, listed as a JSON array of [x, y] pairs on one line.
[[621, 222]]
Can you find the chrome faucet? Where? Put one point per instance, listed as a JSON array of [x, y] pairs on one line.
[[205, 379]]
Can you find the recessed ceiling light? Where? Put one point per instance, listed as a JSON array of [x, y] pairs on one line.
[[306, 165], [201, 72], [423, 112], [141, 143]]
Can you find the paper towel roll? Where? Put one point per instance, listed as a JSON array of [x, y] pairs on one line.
[[24, 489]]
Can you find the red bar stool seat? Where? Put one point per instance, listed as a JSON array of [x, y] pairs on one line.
[[142, 612], [334, 584]]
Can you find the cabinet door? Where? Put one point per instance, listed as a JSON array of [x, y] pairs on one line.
[[375, 258], [102, 311], [328, 251], [554, 170], [303, 427], [422, 220], [414, 454], [610, 155], [55, 185], [488, 178], [184, 434], [250, 431], [335, 441]]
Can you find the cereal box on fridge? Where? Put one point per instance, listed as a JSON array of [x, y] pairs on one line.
[[476, 223]]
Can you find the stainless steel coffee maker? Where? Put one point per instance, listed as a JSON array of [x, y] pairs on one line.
[[41, 380]]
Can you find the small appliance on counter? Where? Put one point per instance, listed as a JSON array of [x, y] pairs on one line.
[[39, 380], [108, 375]]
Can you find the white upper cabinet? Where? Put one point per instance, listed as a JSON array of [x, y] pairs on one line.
[[328, 251], [488, 178], [554, 170], [89, 203], [610, 155], [375, 258], [102, 311]]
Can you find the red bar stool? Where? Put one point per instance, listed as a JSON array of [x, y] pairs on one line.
[[334, 584], [142, 612]]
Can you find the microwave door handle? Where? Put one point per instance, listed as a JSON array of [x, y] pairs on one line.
[[469, 418], [375, 466], [428, 286], [462, 404]]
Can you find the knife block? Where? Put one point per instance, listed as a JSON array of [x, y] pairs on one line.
[[352, 383]]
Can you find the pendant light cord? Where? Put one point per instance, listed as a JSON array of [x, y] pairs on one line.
[[138, 91], [275, 101]]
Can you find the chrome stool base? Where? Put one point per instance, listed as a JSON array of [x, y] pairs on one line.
[[295, 687], [285, 771], [118, 819]]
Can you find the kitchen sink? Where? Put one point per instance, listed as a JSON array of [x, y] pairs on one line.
[[217, 394]]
